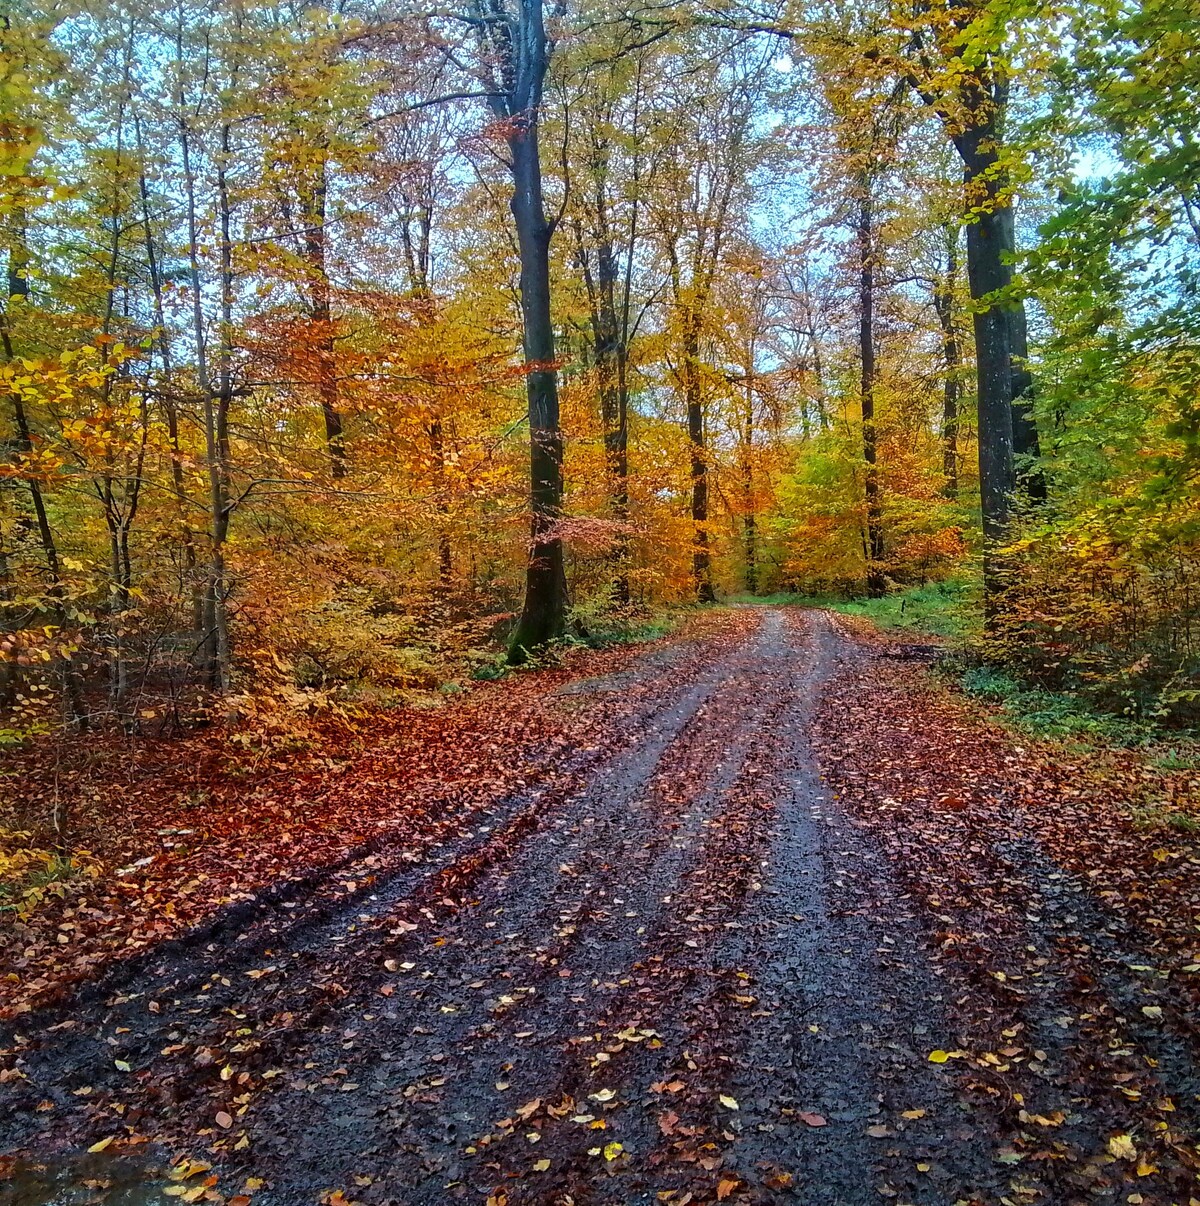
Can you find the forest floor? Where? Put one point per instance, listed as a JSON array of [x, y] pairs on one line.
[[762, 912]]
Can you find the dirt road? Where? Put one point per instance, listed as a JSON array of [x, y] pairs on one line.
[[673, 971]]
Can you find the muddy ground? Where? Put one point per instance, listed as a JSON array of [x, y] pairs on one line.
[[676, 967]]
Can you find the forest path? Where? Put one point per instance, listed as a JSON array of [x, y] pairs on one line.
[[692, 977]]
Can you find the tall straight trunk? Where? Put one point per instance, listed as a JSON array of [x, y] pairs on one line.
[[876, 583], [988, 241], [694, 400], [442, 502], [1026, 444], [749, 522], [118, 491], [170, 409], [215, 408], [943, 303], [218, 414], [416, 251], [316, 252], [1005, 420], [543, 615], [515, 56], [610, 353], [612, 365]]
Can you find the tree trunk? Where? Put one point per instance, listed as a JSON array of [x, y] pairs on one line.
[[1026, 444], [543, 616], [170, 409], [316, 251], [609, 350], [750, 521], [215, 408], [701, 556], [611, 364], [441, 501], [988, 239], [876, 582], [1005, 422]]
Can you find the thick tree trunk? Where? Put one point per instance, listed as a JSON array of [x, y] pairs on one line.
[[876, 582], [543, 616], [994, 369], [988, 241], [1005, 422], [1026, 444]]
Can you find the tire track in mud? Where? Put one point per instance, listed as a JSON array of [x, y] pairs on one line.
[[773, 1002], [74, 1058], [580, 900]]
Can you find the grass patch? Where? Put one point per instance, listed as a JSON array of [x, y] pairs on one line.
[[30, 874], [603, 630], [630, 628], [1037, 712], [1161, 816], [1177, 758], [1064, 716], [944, 609]]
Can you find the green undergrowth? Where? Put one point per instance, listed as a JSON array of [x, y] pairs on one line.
[[1037, 712], [1064, 716], [942, 609], [591, 628]]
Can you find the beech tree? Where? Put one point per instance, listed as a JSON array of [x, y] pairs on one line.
[[956, 55]]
